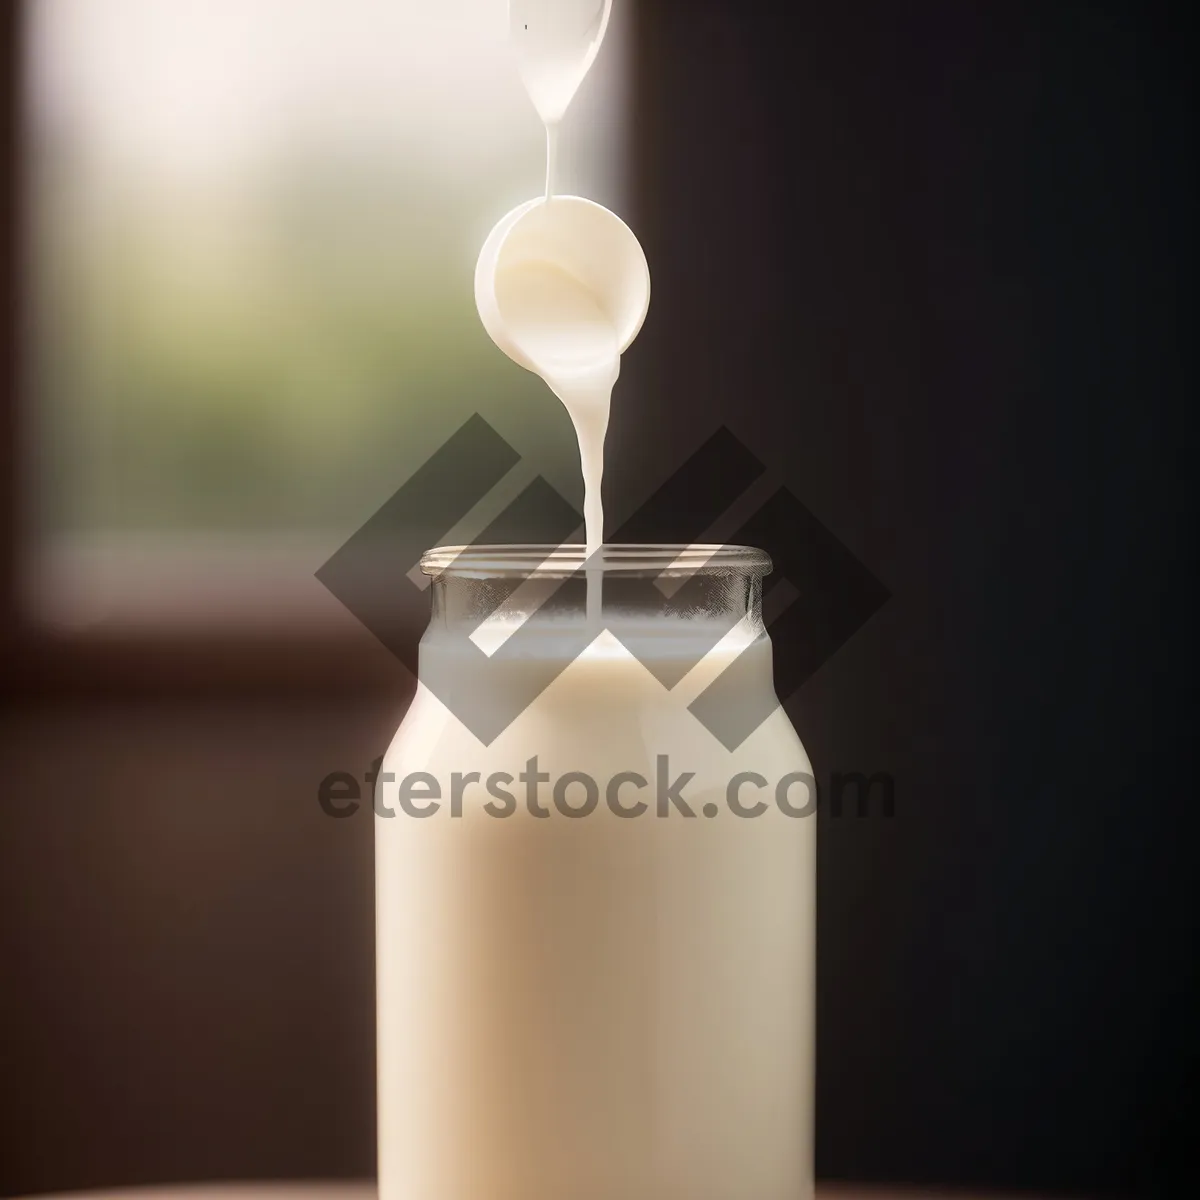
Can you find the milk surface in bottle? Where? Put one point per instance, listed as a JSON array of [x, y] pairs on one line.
[[578, 998]]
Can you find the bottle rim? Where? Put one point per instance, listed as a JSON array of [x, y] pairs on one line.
[[550, 562]]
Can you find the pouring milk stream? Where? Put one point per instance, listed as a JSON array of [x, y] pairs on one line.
[[561, 283]]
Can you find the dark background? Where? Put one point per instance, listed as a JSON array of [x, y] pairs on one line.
[[932, 262]]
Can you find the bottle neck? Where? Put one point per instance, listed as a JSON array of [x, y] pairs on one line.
[[646, 607]]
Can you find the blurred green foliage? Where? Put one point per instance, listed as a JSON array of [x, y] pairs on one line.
[[277, 359]]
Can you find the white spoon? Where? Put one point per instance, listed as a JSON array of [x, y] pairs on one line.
[[562, 287], [560, 284]]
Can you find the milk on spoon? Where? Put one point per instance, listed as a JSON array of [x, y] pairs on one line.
[[562, 286]]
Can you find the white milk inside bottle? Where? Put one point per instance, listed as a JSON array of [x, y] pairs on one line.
[[592, 986]]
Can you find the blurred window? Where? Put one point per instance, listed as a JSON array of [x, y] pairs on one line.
[[252, 232]]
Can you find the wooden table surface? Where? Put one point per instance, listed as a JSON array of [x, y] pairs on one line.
[[366, 1191]]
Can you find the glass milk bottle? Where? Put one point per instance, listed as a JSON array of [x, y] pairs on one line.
[[595, 842]]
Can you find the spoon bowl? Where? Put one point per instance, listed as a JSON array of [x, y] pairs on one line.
[[560, 283]]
